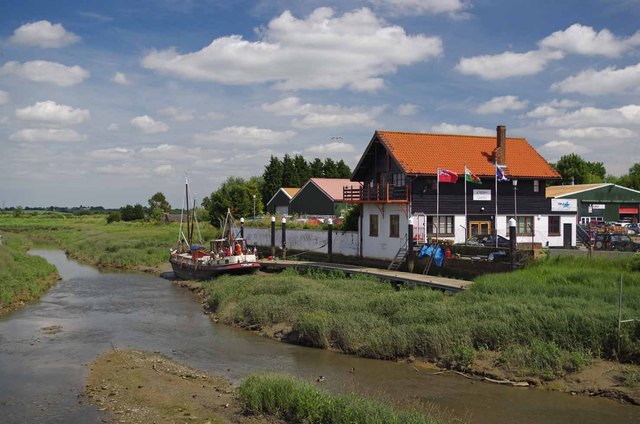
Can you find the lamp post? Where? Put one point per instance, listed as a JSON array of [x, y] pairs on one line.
[[254, 207]]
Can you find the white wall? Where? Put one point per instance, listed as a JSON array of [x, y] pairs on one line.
[[382, 246], [345, 243]]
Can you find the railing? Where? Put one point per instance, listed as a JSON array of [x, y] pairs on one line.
[[583, 235], [378, 193]]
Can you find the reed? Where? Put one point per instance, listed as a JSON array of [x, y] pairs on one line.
[[294, 400]]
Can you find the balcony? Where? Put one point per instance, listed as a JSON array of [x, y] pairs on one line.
[[379, 193]]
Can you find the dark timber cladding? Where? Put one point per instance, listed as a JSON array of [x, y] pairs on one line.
[[310, 200], [279, 199]]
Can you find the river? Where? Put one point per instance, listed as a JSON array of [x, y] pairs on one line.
[[42, 372]]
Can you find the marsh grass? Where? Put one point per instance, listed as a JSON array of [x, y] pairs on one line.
[[551, 318], [22, 277], [297, 401]]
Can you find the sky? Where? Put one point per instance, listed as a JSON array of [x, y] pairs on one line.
[[108, 102]]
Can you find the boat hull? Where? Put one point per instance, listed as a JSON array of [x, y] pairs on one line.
[[189, 271]]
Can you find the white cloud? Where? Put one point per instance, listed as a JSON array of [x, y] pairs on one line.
[[251, 136], [331, 148], [4, 97], [597, 132], [407, 109], [163, 169], [445, 128], [322, 51], [116, 153], [563, 103], [47, 135], [113, 127], [125, 169], [501, 104], [47, 72], [582, 39], [177, 114], [43, 34], [321, 116], [120, 78], [454, 8], [52, 112], [147, 125], [543, 111], [607, 81], [557, 148], [507, 64], [591, 116]]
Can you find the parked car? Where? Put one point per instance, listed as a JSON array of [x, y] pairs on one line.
[[620, 242], [488, 240]]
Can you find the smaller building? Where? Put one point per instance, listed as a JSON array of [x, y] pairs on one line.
[[600, 202], [279, 203], [320, 197]]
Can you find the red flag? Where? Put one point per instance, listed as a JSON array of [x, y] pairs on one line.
[[445, 176]]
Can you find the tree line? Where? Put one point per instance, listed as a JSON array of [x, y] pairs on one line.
[[575, 170]]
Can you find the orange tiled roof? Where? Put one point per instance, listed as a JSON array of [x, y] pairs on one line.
[[425, 153], [291, 191], [332, 186]]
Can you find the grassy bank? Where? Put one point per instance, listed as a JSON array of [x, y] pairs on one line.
[[22, 277], [128, 245], [546, 320]]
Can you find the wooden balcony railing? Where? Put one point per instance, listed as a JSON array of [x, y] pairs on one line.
[[379, 193]]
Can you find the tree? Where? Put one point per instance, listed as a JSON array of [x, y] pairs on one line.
[[289, 174], [330, 169], [343, 169], [316, 168], [303, 171], [235, 194], [272, 179], [158, 201], [132, 213], [632, 179], [575, 170]]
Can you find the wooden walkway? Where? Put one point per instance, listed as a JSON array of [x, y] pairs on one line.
[[442, 283]]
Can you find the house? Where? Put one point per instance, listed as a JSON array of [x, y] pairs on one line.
[[600, 202], [320, 197], [279, 203], [398, 171]]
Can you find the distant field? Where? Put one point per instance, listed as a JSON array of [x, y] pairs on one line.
[[22, 277], [549, 319], [89, 238]]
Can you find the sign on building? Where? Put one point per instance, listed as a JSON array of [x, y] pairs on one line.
[[564, 205], [481, 195]]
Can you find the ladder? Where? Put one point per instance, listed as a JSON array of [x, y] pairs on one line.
[[400, 256]]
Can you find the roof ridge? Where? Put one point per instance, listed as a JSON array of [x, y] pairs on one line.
[[450, 135]]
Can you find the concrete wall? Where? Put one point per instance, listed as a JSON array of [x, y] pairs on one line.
[[345, 243], [382, 246]]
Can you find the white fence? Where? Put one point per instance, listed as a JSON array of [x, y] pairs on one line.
[[344, 243]]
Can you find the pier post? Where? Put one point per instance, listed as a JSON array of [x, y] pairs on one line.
[[512, 244], [242, 228], [273, 236], [330, 240], [410, 243], [284, 238]]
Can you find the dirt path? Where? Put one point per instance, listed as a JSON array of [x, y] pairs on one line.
[[142, 387]]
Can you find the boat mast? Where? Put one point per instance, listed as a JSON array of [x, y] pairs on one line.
[[186, 189]]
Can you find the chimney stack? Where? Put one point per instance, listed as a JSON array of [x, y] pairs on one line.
[[501, 150]]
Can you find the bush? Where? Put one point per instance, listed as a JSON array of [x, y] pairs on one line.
[[114, 216]]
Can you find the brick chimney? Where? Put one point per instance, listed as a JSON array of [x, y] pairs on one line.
[[501, 150]]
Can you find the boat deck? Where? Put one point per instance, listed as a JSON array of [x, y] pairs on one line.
[[442, 283]]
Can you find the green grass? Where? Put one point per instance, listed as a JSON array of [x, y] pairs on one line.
[[89, 238], [300, 402], [546, 320], [22, 277]]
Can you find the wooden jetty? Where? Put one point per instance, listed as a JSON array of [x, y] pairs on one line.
[[447, 284]]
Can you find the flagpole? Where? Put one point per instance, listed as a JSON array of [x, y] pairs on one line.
[[465, 202], [437, 204], [495, 220]]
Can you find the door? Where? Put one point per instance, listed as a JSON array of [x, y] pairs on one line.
[[566, 236], [479, 227]]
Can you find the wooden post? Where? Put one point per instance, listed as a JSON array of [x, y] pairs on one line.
[[512, 240], [242, 228], [330, 240], [284, 238], [273, 236]]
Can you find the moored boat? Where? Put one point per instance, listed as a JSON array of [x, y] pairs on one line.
[[230, 254]]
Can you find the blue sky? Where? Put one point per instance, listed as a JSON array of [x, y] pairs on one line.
[[106, 103]]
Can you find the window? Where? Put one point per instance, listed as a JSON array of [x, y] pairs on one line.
[[373, 225], [397, 179], [536, 186], [554, 225], [394, 226], [445, 227], [524, 225]]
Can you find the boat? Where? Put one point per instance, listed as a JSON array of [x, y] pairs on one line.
[[229, 254]]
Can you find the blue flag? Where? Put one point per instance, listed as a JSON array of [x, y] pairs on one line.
[[500, 175]]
